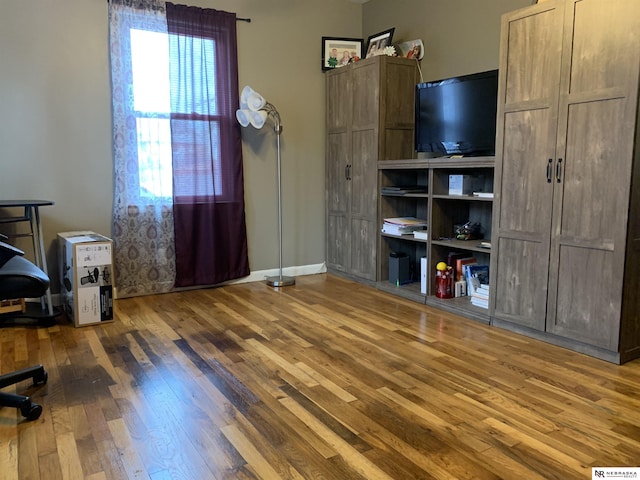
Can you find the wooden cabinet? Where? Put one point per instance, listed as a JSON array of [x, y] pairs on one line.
[[443, 212], [566, 235], [370, 117]]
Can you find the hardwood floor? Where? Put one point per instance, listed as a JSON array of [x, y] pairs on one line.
[[325, 379]]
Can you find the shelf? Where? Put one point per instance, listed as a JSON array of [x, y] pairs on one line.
[[461, 306], [407, 195], [471, 245], [438, 162], [468, 198], [444, 213], [410, 238], [410, 291]]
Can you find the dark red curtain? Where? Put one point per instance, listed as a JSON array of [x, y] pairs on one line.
[[209, 215]]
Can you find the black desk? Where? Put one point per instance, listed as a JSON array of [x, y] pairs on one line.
[[30, 214]]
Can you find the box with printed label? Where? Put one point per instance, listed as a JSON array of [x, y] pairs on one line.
[[464, 184], [86, 277]]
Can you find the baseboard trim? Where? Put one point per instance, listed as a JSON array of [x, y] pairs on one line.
[[257, 276], [260, 275]]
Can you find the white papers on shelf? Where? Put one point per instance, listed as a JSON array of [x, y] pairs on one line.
[[423, 275], [402, 225], [483, 194]]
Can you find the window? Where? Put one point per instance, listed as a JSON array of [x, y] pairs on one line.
[[176, 147], [151, 104]]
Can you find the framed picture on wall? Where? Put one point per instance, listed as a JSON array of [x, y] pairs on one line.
[[338, 52], [377, 43]]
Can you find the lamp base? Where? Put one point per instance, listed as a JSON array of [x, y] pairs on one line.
[[280, 281]]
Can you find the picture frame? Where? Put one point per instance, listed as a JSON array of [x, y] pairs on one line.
[[377, 43], [338, 52]]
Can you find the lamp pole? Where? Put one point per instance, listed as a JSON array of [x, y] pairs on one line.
[[254, 110], [279, 280]]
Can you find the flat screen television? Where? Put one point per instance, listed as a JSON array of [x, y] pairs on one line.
[[457, 116]]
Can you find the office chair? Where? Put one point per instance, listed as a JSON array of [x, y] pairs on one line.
[[19, 278]]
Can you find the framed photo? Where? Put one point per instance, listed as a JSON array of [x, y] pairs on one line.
[[376, 43], [338, 52]]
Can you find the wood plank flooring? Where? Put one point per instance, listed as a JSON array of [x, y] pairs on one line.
[[327, 379]]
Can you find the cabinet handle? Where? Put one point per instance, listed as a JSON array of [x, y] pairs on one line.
[[549, 170], [559, 170], [347, 172]]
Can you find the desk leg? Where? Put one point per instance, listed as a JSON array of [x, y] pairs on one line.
[[40, 254]]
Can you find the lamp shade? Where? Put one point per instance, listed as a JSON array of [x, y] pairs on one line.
[[246, 91], [255, 101], [252, 99], [242, 115], [258, 118]]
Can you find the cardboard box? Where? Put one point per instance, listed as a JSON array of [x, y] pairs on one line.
[[464, 184], [86, 271]]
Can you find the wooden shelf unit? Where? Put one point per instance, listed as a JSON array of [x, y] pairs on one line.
[[443, 213]]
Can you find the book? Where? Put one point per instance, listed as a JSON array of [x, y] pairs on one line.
[[483, 194], [481, 293], [475, 275], [453, 256], [479, 302], [402, 225], [460, 262], [420, 234], [481, 272], [394, 229], [406, 221]]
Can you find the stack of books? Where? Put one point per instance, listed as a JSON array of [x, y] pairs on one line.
[[477, 277], [480, 297], [403, 225]]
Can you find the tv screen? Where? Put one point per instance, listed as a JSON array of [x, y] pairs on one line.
[[457, 116]]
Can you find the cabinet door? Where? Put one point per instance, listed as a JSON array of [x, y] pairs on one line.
[[338, 195], [364, 201], [595, 140], [364, 172], [526, 137], [338, 186]]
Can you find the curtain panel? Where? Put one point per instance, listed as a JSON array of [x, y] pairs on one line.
[[209, 219], [144, 258]]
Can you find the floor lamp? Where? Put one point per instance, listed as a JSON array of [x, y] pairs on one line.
[[254, 110]]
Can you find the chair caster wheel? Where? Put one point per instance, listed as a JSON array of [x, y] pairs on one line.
[[31, 412]]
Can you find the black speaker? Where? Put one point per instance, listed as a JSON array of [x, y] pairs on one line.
[[399, 268]]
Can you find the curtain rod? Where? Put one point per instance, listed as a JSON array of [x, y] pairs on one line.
[[238, 19]]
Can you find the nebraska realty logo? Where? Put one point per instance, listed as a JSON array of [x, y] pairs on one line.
[[598, 473]]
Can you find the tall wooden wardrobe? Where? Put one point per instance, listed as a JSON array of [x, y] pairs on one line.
[[566, 226], [369, 115]]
